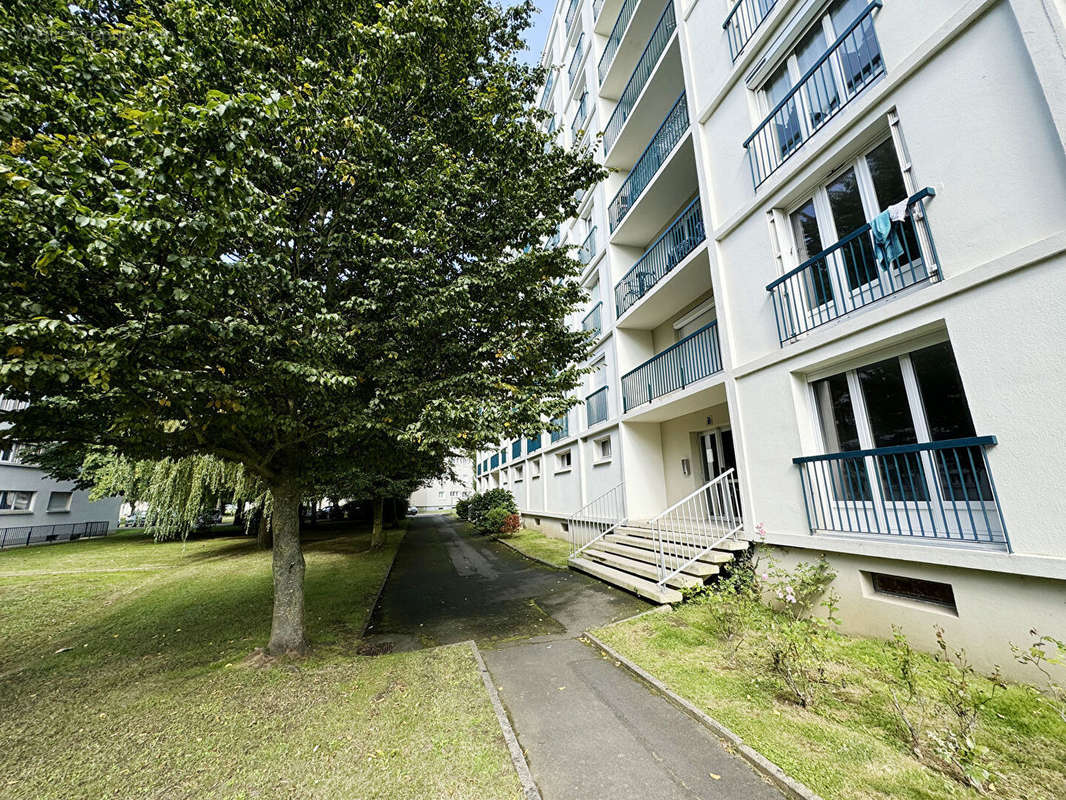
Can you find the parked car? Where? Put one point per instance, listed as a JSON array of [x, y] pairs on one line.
[[412, 510], [212, 517]]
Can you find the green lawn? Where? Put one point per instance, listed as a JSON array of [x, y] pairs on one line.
[[849, 746], [536, 544], [156, 696]]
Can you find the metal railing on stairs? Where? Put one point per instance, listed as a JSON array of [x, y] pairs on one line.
[[692, 527], [597, 518]]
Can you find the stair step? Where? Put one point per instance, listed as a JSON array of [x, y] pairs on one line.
[[641, 569], [631, 583], [712, 557], [728, 545], [699, 569]]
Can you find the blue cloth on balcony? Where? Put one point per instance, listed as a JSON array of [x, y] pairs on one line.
[[886, 242]]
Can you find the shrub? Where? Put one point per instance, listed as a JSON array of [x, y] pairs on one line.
[[481, 504], [493, 520], [511, 524], [462, 507]]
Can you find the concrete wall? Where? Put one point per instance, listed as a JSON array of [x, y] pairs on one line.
[[26, 478]]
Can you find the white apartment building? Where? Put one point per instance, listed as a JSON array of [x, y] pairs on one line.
[[35, 509], [828, 278], [444, 491]]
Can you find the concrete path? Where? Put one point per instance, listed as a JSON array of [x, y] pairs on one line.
[[588, 728]]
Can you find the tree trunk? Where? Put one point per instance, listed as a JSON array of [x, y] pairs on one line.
[[287, 635], [262, 535], [238, 513], [377, 533]]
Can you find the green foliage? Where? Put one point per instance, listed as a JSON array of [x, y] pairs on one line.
[[1044, 652], [462, 508], [494, 520], [796, 591], [482, 503]]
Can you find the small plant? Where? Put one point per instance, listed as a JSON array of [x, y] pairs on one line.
[[1042, 653], [796, 591], [499, 520], [482, 504], [797, 655], [510, 526], [913, 708], [462, 507]]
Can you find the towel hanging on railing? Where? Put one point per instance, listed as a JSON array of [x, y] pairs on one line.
[[886, 243]]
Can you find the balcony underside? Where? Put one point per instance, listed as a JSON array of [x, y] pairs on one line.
[[689, 279], [641, 24], [670, 188], [704, 393], [653, 104]]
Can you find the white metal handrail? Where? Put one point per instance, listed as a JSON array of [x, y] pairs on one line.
[[597, 518], [694, 526]]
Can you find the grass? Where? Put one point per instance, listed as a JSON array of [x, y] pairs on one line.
[[536, 544], [849, 745], [124, 672]]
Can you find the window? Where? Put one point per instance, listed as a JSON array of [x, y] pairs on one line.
[[852, 273], [923, 591], [835, 81], [534, 468], [517, 474], [598, 377], [602, 449], [9, 453], [59, 501], [700, 317], [11, 500], [910, 399], [562, 461]]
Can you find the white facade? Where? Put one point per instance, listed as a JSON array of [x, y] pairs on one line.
[[750, 315], [444, 491]]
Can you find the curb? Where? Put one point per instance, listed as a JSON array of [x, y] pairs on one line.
[[505, 543], [789, 786], [381, 589], [525, 777]]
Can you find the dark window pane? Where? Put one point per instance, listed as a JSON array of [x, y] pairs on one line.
[[891, 423], [943, 398], [816, 281], [836, 414], [886, 174], [856, 257]]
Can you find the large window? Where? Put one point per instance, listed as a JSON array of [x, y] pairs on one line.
[[833, 82], [16, 500]]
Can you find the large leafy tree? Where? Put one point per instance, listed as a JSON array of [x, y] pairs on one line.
[[272, 232]]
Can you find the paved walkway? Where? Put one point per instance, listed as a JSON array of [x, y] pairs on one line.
[[589, 729]]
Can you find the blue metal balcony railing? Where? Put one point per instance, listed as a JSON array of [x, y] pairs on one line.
[[503, 455], [495, 460], [654, 156], [596, 407], [934, 490], [592, 321], [580, 116], [547, 89], [575, 60], [597, 7], [516, 448], [692, 358], [847, 276], [533, 445], [681, 238], [571, 13], [850, 64], [610, 47], [588, 247], [641, 72], [743, 21], [561, 428]]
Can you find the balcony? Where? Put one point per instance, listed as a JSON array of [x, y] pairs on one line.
[[588, 247], [575, 60], [592, 321], [516, 449], [681, 238], [571, 13], [852, 273], [933, 491], [743, 21], [581, 115], [692, 358], [561, 428], [532, 445], [654, 156], [494, 462], [652, 50], [596, 407], [547, 93], [610, 47], [850, 64]]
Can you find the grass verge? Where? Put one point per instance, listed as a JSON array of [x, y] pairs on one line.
[[536, 544], [124, 673], [849, 746]]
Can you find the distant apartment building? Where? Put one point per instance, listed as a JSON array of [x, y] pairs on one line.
[[827, 278], [35, 509], [443, 492]]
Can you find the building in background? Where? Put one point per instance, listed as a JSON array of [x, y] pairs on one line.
[[827, 279], [443, 492], [35, 509]]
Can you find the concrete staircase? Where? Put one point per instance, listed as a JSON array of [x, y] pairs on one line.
[[628, 557]]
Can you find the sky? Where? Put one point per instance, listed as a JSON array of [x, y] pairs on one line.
[[539, 31]]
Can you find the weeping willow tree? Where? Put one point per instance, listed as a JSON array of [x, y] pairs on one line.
[[177, 491]]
